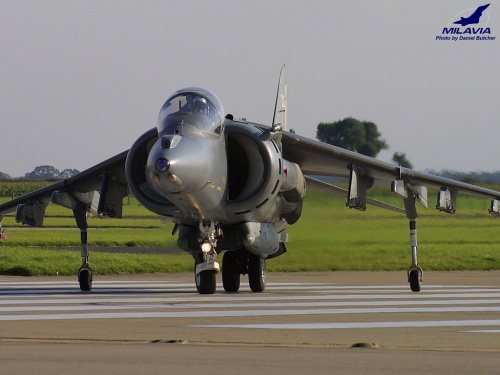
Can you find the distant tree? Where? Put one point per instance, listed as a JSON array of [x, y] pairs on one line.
[[352, 134], [67, 173], [43, 172], [399, 158], [4, 176], [48, 172]]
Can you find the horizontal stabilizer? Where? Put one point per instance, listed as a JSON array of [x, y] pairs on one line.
[[343, 193]]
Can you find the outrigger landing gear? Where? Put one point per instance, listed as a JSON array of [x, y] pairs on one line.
[[415, 272], [85, 274], [412, 194]]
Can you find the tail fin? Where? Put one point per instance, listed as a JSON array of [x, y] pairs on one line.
[[280, 115]]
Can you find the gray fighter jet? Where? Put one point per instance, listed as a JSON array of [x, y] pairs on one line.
[[232, 186]]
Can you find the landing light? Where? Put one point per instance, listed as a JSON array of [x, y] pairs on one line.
[[206, 247]]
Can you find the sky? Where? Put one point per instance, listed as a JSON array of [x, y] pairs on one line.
[[80, 81]]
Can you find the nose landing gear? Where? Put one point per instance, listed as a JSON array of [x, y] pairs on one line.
[[205, 266]]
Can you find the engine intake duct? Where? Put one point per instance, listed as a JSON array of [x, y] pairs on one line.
[[293, 185]]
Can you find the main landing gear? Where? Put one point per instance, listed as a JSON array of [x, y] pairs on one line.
[[240, 262]]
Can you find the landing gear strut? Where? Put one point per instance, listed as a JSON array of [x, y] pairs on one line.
[[411, 194], [415, 272], [85, 274]]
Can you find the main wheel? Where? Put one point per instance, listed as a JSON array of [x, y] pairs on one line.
[[85, 279], [256, 273], [415, 280], [205, 282], [230, 272]]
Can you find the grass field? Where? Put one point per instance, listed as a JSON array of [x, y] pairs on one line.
[[328, 237]]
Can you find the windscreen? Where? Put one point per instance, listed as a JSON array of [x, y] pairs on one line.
[[189, 109]]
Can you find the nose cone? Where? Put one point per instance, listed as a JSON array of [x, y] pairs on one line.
[[176, 165]]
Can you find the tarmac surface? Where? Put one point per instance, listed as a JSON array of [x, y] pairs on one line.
[[319, 323]]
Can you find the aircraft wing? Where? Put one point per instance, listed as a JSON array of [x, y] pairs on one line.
[[107, 179], [317, 158]]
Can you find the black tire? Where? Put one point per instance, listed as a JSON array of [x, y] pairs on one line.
[[415, 281], [205, 282], [256, 273], [230, 272], [85, 279]]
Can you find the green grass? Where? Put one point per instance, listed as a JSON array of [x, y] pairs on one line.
[[328, 237], [35, 261]]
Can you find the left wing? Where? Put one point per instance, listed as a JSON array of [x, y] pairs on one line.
[[317, 158]]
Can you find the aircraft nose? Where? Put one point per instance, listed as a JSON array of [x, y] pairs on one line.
[[176, 165]]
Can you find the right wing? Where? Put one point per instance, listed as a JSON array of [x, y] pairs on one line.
[[101, 188]]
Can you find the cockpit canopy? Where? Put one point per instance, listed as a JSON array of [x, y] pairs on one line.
[[195, 107]]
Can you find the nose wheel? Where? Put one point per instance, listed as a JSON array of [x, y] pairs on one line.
[[205, 282]]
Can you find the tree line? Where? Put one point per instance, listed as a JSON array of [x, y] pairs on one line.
[[360, 136], [42, 173], [365, 138]]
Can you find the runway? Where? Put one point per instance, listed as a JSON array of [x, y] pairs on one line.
[[317, 317]]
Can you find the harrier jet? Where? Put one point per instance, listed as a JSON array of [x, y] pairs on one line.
[[473, 18], [231, 186]]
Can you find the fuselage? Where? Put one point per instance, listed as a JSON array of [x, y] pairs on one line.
[[201, 167]]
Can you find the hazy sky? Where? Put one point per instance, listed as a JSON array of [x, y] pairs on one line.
[[81, 80]]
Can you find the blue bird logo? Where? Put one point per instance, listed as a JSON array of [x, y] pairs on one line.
[[473, 18]]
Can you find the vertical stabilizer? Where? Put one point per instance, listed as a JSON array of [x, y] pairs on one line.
[[280, 115]]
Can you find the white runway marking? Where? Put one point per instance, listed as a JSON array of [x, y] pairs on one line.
[[312, 305]]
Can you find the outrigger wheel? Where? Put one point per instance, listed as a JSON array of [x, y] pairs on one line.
[[415, 278], [85, 278]]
